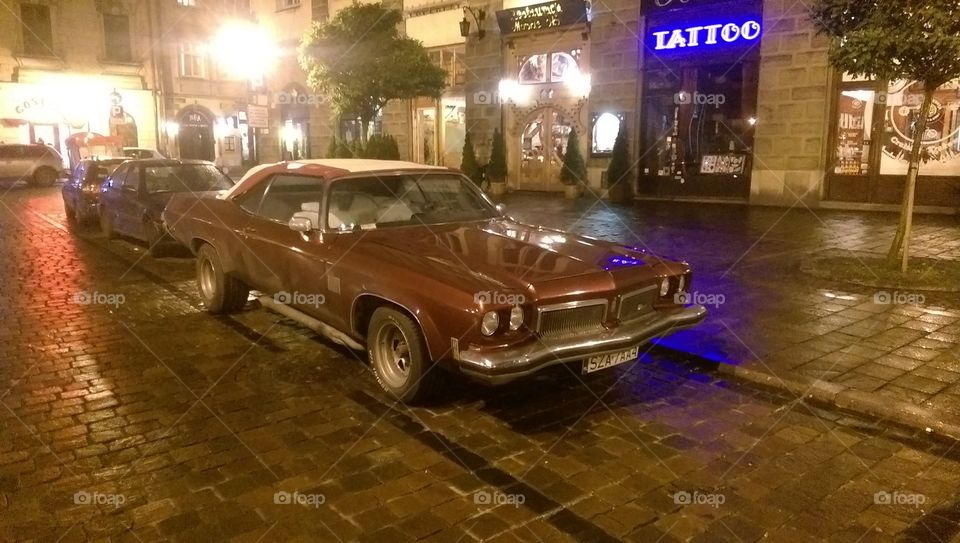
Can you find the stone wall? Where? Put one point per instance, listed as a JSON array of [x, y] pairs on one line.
[[793, 107], [483, 64]]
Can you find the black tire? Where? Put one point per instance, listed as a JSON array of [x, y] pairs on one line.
[[219, 292], [106, 225], [72, 219], [44, 177], [399, 357]]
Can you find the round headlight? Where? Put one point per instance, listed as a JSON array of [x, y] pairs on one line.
[[516, 317], [682, 285], [665, 286], [490, 323]]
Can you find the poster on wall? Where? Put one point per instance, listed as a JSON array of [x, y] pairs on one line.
[[852, 145], [941, 139]]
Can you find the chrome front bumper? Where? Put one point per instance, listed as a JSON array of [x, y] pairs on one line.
[[501, 366]]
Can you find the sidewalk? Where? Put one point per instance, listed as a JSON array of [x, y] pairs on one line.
[[774, 325]]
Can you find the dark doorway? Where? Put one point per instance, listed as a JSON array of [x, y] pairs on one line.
[[196, 135]]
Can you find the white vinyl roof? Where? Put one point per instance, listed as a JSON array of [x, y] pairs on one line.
[[353, 165]]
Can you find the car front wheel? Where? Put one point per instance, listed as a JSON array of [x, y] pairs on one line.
[[399, 358], [219, 292], [44, 177]]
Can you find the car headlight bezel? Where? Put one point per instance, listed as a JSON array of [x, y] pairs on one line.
[[489, 323], [664, 287], [516, 318]]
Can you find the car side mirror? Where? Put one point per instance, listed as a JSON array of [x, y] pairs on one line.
[[300, 224], [501, 209]]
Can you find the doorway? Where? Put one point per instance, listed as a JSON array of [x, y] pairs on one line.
[[196, 135], [542, 148]]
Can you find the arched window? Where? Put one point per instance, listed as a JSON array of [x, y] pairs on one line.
[[555, 67]]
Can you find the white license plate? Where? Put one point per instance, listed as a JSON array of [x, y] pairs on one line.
[[604, 361]]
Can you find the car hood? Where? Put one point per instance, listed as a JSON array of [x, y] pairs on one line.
[[503, 253]]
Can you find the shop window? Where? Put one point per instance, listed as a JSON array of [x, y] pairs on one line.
[[563, 66], [287, 4], [116, 38], [605, 128], [854, 132], [187, 3], [37, 31], [350, 128], [941, 139], [193, 61]]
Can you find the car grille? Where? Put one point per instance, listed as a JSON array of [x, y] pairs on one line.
[[558, 323], [638, 303]]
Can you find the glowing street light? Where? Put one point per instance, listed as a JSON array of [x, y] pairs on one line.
[[244, 50]]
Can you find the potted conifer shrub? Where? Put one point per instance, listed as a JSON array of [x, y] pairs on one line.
[[497, 167], [573, 173]]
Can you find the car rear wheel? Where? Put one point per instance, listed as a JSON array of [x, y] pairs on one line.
[[44, 177], [106, 225], [399, 358], [219, 292]]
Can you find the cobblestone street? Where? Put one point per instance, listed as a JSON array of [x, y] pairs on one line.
[[128, 413]]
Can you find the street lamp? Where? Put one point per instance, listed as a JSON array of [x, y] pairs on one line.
[[478, 16], [244, 50]]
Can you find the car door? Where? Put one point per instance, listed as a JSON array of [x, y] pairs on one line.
[[292, 264], [11, 162], [110, 193], [129, 208], [73, 186]]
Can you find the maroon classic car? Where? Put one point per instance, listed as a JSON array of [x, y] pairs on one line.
[[417, 266]]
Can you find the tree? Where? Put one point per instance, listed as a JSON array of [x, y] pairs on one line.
[[619, 172], [896, 40], [332, 148], [360, 60], [574, 170], [469, 165], [391, 151], [343, 150], [497, 167]]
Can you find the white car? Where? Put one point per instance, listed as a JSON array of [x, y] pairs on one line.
[[142, 152]]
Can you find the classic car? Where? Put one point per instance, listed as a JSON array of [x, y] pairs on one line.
[[416, 265], [134, 195], [81, 192]]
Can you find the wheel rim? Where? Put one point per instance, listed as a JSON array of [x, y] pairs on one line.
[[207, 279], [393, 357], [46, 177]]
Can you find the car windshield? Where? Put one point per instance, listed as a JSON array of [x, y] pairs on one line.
[[404, 199], [185, 178]]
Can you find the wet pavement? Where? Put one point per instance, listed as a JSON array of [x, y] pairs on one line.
[[128, 413], [766, 314]]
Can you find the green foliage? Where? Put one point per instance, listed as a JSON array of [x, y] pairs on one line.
[[343, 150], [356, 148], [374, 147], [332, 148], [469, 165], [497, 167], [361, 61], [574, 170], [391, 151], [619, 173], [892, 39]]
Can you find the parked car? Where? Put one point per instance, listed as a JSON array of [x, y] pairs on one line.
[[133, 197], [37, 164], [415, 264], [142, 152], [81, 192]]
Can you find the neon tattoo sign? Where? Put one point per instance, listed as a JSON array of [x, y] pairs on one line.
[[698, 36]]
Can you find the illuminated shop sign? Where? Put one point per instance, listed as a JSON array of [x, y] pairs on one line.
[[706, 35], [542, 16]]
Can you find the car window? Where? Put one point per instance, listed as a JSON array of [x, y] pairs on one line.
[[79, 173], [11, 152], [98, 171], [185, 178], [288, 194], [131, 181], [116, 177], [35, 151], [404, 199], [250, 200]]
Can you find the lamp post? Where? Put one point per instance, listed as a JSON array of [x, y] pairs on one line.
[[478, 17]]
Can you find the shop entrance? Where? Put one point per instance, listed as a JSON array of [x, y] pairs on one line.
[[543, 145], [196, 135]]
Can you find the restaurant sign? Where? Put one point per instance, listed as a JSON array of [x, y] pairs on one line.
[[542, 16]]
